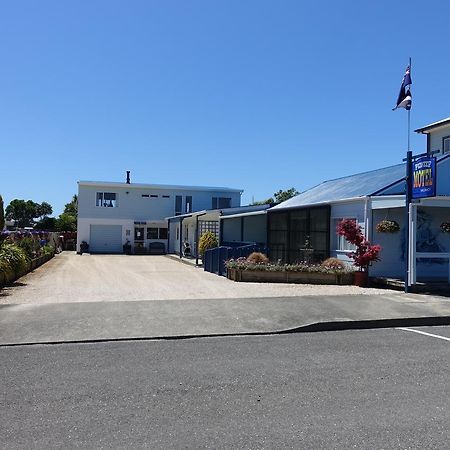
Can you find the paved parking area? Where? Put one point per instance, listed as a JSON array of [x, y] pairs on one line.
[[73, 278], [368, 389]]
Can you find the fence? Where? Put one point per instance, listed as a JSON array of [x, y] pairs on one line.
[[214, 259]]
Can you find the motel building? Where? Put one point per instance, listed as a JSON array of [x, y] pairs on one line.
[[369, 198], [113, 216]]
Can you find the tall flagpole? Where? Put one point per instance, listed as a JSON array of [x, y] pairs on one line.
[[409, 112], [408, 195]]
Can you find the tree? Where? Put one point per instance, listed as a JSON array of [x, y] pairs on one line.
[[2, 214], [47, 224], [22, 212], [43, 210], [66, 222], [72, 207], [280, 196]]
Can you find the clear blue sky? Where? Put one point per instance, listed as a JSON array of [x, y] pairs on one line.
[[255, 94]]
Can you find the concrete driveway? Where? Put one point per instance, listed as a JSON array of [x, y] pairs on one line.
[[73, 278]]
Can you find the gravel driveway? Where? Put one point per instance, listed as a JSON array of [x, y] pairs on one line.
[[73, 278]]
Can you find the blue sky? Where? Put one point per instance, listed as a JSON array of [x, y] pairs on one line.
[[259, 95]]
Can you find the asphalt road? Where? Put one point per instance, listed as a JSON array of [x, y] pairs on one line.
[[385, 388]]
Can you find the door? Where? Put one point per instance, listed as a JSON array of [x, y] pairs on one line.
[[106, 239]]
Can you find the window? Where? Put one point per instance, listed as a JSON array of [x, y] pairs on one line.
[[106, 199], [156, 233], [178, 203], [152, 233], [340, 243], [139, 233], [166, 196], [188, 203], [446, 144], [221, 202], [153, 196]]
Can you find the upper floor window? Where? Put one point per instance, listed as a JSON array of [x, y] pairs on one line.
[[106, 199], [188, 203], [221, 202], [446, 144], [178, 205]]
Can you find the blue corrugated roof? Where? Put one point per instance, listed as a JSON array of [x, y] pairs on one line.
[[359, 185]]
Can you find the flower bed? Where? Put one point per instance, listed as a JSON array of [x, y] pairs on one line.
[[242, 270], [9, 276]]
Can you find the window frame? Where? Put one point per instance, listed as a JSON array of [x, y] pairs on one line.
[[339, 242], [444, 139], [102, 200], [159, 235]]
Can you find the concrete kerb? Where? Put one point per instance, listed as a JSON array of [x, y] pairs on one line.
[[310, 328], [184, 260]]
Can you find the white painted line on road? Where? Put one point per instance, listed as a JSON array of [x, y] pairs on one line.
[[426, 334]]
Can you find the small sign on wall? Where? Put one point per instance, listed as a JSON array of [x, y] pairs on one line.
[[424, 177]]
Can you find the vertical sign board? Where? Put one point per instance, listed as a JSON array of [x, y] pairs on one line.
[[424, 177]]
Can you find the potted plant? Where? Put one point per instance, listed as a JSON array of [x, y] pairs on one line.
[[127, 247], [84, 247], [365, 252], [387, 226], [445, 227]]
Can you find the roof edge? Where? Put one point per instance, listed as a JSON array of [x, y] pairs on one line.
[[431, 126]]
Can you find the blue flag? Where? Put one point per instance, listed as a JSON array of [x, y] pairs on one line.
[[404, 99]]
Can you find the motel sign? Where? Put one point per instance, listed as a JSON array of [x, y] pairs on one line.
[[424, 177]]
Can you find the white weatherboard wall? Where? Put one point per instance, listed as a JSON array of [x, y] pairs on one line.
[[429, 239], [392, 262], [174, 243], [345, 210], [133, 207], [131, 204], [84, 228], [436, 138]]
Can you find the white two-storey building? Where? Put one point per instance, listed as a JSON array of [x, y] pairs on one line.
[[111, 215]]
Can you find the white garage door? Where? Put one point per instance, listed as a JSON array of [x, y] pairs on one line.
[[106, 239]]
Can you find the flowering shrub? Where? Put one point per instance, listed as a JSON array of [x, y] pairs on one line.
[[365, 252], [257, 258], [387, 226], [12, 258], [333, 263], [445, 227], [243, 264]]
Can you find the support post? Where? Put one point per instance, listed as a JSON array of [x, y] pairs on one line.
[[181, 237], [196, 240], [412, 243], [408, 194]]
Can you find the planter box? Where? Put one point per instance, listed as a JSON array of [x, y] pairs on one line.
[[10, 277], [261, 276]]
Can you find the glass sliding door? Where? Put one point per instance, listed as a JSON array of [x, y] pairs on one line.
[[299, 234]]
